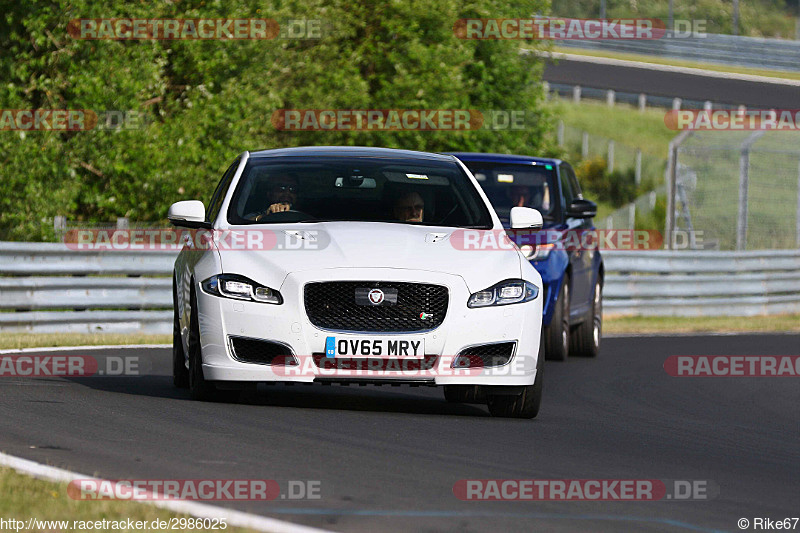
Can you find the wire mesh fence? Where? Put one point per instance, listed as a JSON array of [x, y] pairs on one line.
[[741, 189]]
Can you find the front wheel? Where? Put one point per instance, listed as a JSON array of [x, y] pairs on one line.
[[556, 335], [180, 374], [585, 339], [524, 405], [199, 388]]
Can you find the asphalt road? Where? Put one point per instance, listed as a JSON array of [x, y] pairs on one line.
[[387, 458], [673, 84]]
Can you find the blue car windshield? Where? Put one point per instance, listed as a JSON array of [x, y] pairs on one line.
[[294, 189], [517, 185]]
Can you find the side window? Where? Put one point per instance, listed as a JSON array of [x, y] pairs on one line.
[[219, 194], [567, 193], [576, 188]]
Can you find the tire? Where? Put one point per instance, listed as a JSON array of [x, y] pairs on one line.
[[525, 405], [585, 339], [180, 374], [464, 394], [556, 335], [199, 388]]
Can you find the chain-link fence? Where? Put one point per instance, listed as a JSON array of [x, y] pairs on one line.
[[741, 189]]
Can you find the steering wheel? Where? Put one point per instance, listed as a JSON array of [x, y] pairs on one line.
[[292, 215]]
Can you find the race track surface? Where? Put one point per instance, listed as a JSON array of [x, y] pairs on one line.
[[387, 458], [672, 84]]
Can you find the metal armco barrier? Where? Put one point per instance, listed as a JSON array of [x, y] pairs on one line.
[[45, 287], [753, 52]]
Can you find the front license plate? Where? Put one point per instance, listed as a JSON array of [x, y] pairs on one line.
[[374, 347]]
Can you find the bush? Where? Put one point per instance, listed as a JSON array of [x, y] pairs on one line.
[[616, 188]]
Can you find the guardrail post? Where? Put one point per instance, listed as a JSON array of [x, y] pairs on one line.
[[123, 223], [546, 89], [611, 156], [632, 215], [609, 221], [560, 133], [637, 173], [708, 106], [676, 104], [585, 145], [642, 102], [744, 183], [576, 94], [610, 97]]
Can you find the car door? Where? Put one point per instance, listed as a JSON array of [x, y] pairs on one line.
[[580, 260]]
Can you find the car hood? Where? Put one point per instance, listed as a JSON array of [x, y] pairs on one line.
[[316, 246]]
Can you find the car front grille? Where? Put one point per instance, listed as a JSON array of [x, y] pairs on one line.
[[248, 350], [496, 354], [417, 306]]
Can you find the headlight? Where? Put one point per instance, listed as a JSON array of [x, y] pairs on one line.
[[512, 291], [240, 288], [539, 252]]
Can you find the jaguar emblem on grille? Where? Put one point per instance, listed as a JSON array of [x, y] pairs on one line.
[[375, 296]]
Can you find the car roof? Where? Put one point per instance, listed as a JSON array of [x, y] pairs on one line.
[[352, 151], [503, 158]]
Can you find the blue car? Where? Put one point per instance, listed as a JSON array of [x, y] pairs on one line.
[[573, 278]]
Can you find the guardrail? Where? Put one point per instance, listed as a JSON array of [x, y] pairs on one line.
[[45, 287], [754, 52]]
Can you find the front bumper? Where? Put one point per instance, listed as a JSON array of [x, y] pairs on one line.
[[220, 318]]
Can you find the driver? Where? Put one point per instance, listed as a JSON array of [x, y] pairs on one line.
[[281, 196], [409, 207]]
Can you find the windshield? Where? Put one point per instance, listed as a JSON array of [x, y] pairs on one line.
[[293, 189], [516, 185]]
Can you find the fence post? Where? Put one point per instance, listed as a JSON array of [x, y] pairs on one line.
[[576, 94], [632, 215], [585, 145], [638, 168], [123, 223], [611, 156], [672, 180], [59, 224], [610, 97], [609, 221], [798, 205], [642, 102], [744, 184], [560, 133], [546, 89]]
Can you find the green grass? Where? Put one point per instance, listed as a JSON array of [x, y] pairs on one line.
[[42, 340], [644, 325], [621, 123], [680, 63], [25, 497]]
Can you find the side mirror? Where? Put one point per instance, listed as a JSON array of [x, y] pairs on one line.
[[188, 214], [526, 218], [580, 208]]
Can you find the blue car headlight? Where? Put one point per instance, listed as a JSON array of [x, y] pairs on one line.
[[511, 291], [240, 288]]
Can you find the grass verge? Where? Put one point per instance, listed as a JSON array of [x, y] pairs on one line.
[[10, 341], [25, 497], [721, 324]]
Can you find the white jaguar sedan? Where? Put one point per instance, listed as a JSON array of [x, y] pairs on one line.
[[356, 265]]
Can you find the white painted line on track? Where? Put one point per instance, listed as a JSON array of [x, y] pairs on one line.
[[201, 510]]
